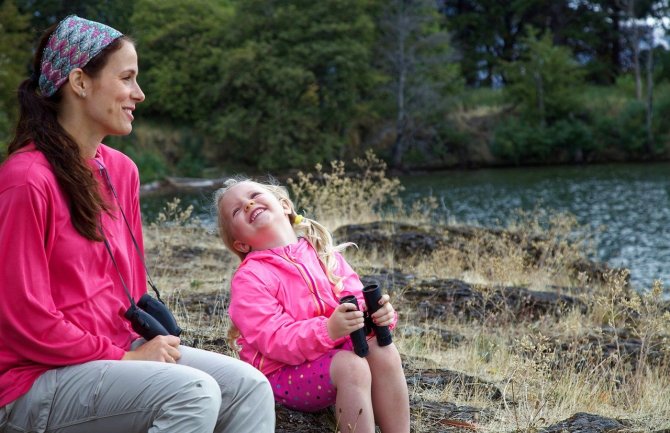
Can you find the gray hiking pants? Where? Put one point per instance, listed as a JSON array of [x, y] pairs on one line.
[[204, 392]]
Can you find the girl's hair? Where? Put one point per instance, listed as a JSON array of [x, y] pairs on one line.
[[38, 123], [316, 234]]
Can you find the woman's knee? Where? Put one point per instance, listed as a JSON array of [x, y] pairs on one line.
[[181, 398], [199, 389], [252, 382], [236, 379]]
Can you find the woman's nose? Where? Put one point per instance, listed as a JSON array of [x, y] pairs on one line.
[[249, 205], [138, 94]]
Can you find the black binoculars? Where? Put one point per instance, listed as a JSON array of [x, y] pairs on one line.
[[150, 318], [358, 336], [372, 294]]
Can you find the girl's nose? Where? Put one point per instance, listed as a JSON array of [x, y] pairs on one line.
[[250, 203]]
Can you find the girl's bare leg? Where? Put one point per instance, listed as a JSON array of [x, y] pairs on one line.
[[351, 376], [390, 398]]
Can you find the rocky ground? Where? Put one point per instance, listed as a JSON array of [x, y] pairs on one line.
[[428, 305]]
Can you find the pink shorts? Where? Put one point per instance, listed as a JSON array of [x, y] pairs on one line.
[[306, 387]]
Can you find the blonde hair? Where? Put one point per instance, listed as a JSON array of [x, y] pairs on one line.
[[316, 234]]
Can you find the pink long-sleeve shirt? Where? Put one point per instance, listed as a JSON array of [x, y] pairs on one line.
[[61, 299], [281, 300]]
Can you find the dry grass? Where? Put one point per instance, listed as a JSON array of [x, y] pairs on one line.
[[339, 197], [541, 382]]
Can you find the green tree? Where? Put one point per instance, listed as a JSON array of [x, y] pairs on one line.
[[415, 54], [43, 13], [488, 32], [545, 81], [292, 81], [544, 86], [15, 57], [179, 44]]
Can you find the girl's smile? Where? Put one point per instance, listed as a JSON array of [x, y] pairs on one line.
[[255, 213]]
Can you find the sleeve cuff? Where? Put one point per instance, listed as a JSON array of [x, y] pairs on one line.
[[324, 338]]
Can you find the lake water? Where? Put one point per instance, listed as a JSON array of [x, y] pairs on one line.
[[627, 206]]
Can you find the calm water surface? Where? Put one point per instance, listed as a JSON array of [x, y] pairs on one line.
[[630, 203], [627, 206]]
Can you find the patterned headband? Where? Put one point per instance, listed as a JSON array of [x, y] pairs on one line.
[[74, 42]]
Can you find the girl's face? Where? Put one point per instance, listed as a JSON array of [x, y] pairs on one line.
[[254, 216], [114, 94]]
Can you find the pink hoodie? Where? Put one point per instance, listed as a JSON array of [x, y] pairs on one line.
[[280, 301], [61, 300]]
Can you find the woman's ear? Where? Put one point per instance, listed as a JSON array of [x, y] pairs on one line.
[[78, 82], [241, 247]]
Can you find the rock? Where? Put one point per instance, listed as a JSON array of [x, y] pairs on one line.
[[390, 281], [405, 240], [291, 421], [534, 304], [442, 298], [617, 346], [594, 270], [445, 417], [410, 243], [586, 423], [461, 384], [427, 416], [424, 413]]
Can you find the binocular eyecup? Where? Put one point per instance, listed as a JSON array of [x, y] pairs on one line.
[[372, 294], [150, 318]]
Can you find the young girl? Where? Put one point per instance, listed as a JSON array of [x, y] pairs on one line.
[[284, 303]]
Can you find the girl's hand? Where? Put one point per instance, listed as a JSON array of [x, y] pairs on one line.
[[344, 320], [385, 315], [163, 348]]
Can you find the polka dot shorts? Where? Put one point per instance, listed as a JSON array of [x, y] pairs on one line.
[[306, 387]]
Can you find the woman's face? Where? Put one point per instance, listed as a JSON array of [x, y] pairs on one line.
[[114, 94]]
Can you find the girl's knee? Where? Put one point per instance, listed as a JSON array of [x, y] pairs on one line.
[[386, 355], [347, 366]]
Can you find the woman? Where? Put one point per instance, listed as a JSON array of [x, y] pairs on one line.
[[71, 258]]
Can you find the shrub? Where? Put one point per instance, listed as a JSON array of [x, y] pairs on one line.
[[338, 197]]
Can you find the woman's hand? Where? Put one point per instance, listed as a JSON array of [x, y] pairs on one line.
[[385, 314], [163, 348], [344, 320]]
